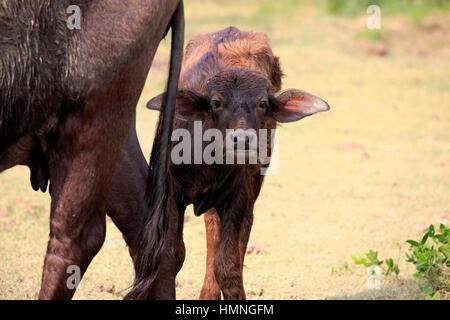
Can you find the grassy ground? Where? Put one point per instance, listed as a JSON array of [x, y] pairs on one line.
[[372, 172]]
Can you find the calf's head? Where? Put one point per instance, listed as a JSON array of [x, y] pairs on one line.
[[239, 103]]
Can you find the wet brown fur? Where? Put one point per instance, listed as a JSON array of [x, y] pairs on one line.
[[67, 102], [228, 48]]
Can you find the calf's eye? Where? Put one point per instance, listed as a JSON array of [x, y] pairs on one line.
[[216, 104], [264, 104]]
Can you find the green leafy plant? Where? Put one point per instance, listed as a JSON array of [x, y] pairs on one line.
[[430, 256], [342, 268], [434, 296], [391, 267], [370, 259]]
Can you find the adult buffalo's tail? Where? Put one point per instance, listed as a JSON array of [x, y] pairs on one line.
[[154, 244]]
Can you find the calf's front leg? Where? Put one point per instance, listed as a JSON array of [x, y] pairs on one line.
[[235, 227], [210, 289]]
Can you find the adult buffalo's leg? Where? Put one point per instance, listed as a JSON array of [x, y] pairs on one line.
[[126, 198], [210, 289], [81, 157]]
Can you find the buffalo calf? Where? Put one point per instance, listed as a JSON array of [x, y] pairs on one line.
[[230, 81]]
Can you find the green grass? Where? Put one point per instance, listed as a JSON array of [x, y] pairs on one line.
[[371, 172]]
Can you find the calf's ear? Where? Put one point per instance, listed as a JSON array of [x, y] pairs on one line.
[[293, 104], [156, 102], [190, 105]]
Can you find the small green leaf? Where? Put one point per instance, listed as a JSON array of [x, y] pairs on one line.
[[409, 258], [390, 262], [396, 270], [359, 258], [424, 239], [413, 243], [431, 230], [434, 296], [445, 250], [419, 276]]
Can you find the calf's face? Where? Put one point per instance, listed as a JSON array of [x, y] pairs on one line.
[[239, 103]]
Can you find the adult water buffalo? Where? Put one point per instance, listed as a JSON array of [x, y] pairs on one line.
[[67, 100]]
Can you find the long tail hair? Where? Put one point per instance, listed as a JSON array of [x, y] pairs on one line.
[[152, 239]]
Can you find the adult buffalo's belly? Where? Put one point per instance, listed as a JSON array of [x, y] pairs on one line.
[[17, 154]]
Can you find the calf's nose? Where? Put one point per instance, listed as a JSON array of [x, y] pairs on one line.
[[242, 139]]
